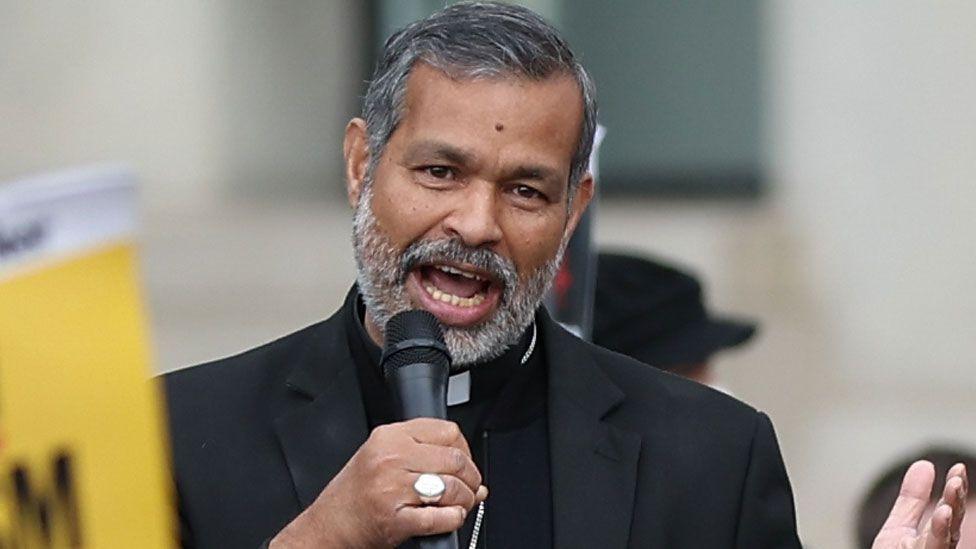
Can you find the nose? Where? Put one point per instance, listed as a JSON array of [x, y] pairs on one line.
[[474, 218]]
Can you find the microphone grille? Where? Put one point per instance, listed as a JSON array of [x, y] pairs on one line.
[[414, 324], [412, 337]]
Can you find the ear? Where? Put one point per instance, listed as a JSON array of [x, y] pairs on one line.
[[355, 152], [580, 201]]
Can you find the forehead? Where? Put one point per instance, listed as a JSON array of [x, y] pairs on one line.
[[506, 115]]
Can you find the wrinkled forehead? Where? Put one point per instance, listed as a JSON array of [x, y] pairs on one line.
[[492, 119], [499, 112]]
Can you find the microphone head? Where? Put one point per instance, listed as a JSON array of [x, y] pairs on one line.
[[414, 337]]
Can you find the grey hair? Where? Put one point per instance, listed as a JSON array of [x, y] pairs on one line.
[[475, 40]]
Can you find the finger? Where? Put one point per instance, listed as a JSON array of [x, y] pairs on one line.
[[439, 432], [959, 470], [913, 496], [426, 521], [456, 493], [444, 460], [955, 496], [937, 530]]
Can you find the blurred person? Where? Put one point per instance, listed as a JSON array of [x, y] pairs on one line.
[[655, 312], [467, 175], [884, 490]]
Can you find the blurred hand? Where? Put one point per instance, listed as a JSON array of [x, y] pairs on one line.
[[903, 530], [372, 503]]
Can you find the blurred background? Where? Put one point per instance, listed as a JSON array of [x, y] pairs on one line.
[[814, 162]]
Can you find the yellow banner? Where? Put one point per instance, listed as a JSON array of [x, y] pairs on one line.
[[83, 457]]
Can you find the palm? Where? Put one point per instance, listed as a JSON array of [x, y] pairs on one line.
[[904, 528], [899, 538]]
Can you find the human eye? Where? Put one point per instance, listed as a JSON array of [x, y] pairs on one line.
[[529, 196], [438, 172], [436, 176]]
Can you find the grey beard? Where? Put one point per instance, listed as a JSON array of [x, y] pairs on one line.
[[382, 272]]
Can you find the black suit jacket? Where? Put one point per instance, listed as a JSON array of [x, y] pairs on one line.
[[639, 457]]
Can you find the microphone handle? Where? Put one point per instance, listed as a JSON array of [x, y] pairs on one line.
[[413, 385]]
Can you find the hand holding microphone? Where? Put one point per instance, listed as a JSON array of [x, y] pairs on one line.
[[376, 499], [416, 364]]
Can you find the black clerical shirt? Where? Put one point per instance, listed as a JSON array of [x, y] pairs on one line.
[[505, 424]]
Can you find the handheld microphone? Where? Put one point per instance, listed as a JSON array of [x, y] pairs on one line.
[[416, 365]]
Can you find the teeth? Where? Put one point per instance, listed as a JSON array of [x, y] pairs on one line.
[[465, 274], [455, 300]]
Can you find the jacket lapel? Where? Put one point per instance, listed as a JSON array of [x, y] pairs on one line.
[[327, 423], [593, 464]]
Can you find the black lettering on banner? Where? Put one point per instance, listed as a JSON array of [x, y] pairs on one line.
[[21, 238], [42, 513]]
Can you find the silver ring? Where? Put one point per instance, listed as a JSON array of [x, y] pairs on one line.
[[429, 487]]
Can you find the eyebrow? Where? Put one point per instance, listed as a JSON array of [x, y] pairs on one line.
[[533, 172], [438, 149]]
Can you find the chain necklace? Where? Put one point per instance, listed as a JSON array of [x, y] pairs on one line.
[[477, 526], [480, 517]]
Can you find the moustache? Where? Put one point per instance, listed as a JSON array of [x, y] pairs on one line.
[[452, 250]]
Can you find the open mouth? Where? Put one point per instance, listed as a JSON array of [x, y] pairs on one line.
[[455, 286], [457, 294]]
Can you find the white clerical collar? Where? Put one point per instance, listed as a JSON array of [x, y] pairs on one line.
[[459, 385]]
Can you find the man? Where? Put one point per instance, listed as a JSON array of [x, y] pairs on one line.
[[467, 176], [655, 312]]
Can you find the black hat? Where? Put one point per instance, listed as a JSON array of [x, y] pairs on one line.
[[653, 312]]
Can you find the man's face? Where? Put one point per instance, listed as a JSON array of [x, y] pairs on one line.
[[466, 212]]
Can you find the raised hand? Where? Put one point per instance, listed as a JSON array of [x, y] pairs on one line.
[[904, 528], [372, 502]]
